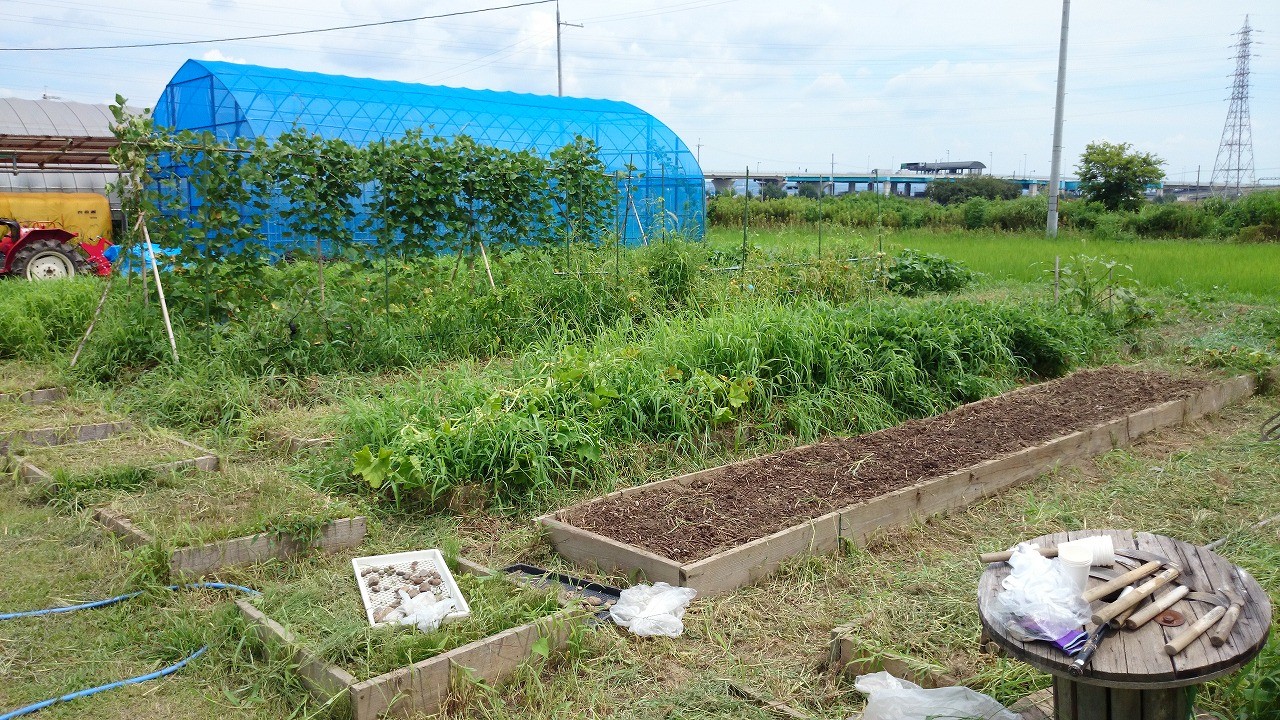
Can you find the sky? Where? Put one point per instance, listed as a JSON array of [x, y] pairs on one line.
[[771, 85]]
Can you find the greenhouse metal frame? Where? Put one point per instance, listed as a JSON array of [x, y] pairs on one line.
[[659, 182]]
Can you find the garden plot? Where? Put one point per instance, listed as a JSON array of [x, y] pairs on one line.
[[56, 423], [317, 623], [29, 383], [298, 430], [124, 452], [209, 521], [722, 528]]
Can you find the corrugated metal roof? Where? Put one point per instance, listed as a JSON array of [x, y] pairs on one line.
[[36, 134], [54, 117]]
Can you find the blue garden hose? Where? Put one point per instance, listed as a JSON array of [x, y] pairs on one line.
[[121, 683]]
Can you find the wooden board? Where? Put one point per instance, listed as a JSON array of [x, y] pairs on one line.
[[608, 555], [849, 657], [757, 559], [36, 397], [290, 445], [120, 526], [339, 534], [422, 688], [46, 437], [324, 681], [205, 460]]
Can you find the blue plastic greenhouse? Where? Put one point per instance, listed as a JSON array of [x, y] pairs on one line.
[[664, 192]]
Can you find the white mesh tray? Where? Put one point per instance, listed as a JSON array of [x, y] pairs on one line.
[[415, 561]]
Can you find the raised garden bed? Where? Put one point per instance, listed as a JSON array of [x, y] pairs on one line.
[[29, 383], [298, 431], [726, 527], [56, 423], [136, 448], [318, 625], [210, 521]]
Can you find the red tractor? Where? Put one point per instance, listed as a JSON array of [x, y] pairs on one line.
[[48, 253]]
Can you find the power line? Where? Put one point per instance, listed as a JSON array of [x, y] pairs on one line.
[[276, 35]]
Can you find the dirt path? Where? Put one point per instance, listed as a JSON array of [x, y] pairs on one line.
[[751, 500]]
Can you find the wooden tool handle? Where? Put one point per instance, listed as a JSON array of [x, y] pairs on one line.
[[1181, 642], [998, 557], [1128, 578], [1131, 599], [1220, 634], [1143, 616]]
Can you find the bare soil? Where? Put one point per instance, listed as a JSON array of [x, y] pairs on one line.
[[745, 501]]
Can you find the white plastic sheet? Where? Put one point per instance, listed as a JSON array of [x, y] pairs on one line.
[[653, 609], [891, 698]]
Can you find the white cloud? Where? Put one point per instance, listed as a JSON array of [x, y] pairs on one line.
[[218, 56]]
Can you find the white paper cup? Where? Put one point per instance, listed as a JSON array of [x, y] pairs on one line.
[[1076, 561], [1100, 547]]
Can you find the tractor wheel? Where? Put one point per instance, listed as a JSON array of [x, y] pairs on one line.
[[49, 260]]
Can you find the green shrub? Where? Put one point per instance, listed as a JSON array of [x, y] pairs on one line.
[[912, 272]]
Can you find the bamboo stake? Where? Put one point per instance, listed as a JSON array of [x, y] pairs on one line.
[[487, 270], [155, 269]]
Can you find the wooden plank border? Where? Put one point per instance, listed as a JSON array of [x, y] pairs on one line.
[[290, 445], [50, 436], [206, 460], [857, 523], [43, 396], [191, 562], [423, 687]]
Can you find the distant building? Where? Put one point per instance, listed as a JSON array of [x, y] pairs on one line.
[[960, 167]]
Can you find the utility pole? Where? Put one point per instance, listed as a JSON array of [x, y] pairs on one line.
[[1055, 171], [698, 157], [559, 71]]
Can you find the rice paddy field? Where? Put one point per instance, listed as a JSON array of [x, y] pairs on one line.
[[458, 413], [1176, 265]]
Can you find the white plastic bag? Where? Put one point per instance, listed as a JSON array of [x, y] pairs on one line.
[[1039, 601], [652, 609], [891, 698], [425, 611]]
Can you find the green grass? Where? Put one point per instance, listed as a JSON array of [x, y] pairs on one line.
[[17, 376], [64, 413], [137, 448], [244, 498], [1191, 266]]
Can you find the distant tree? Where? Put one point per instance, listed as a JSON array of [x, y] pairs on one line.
[[810, 190], [1116, 175], [947, 192], [772, 191]]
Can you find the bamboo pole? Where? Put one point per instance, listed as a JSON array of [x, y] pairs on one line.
[[155, 269], [102, 301]]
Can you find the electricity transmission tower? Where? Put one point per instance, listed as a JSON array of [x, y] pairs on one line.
[[1233, 168]]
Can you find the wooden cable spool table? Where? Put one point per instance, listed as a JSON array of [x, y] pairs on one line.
[[1131, 677]]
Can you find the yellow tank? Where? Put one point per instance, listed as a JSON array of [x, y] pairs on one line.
[[85, 213]]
